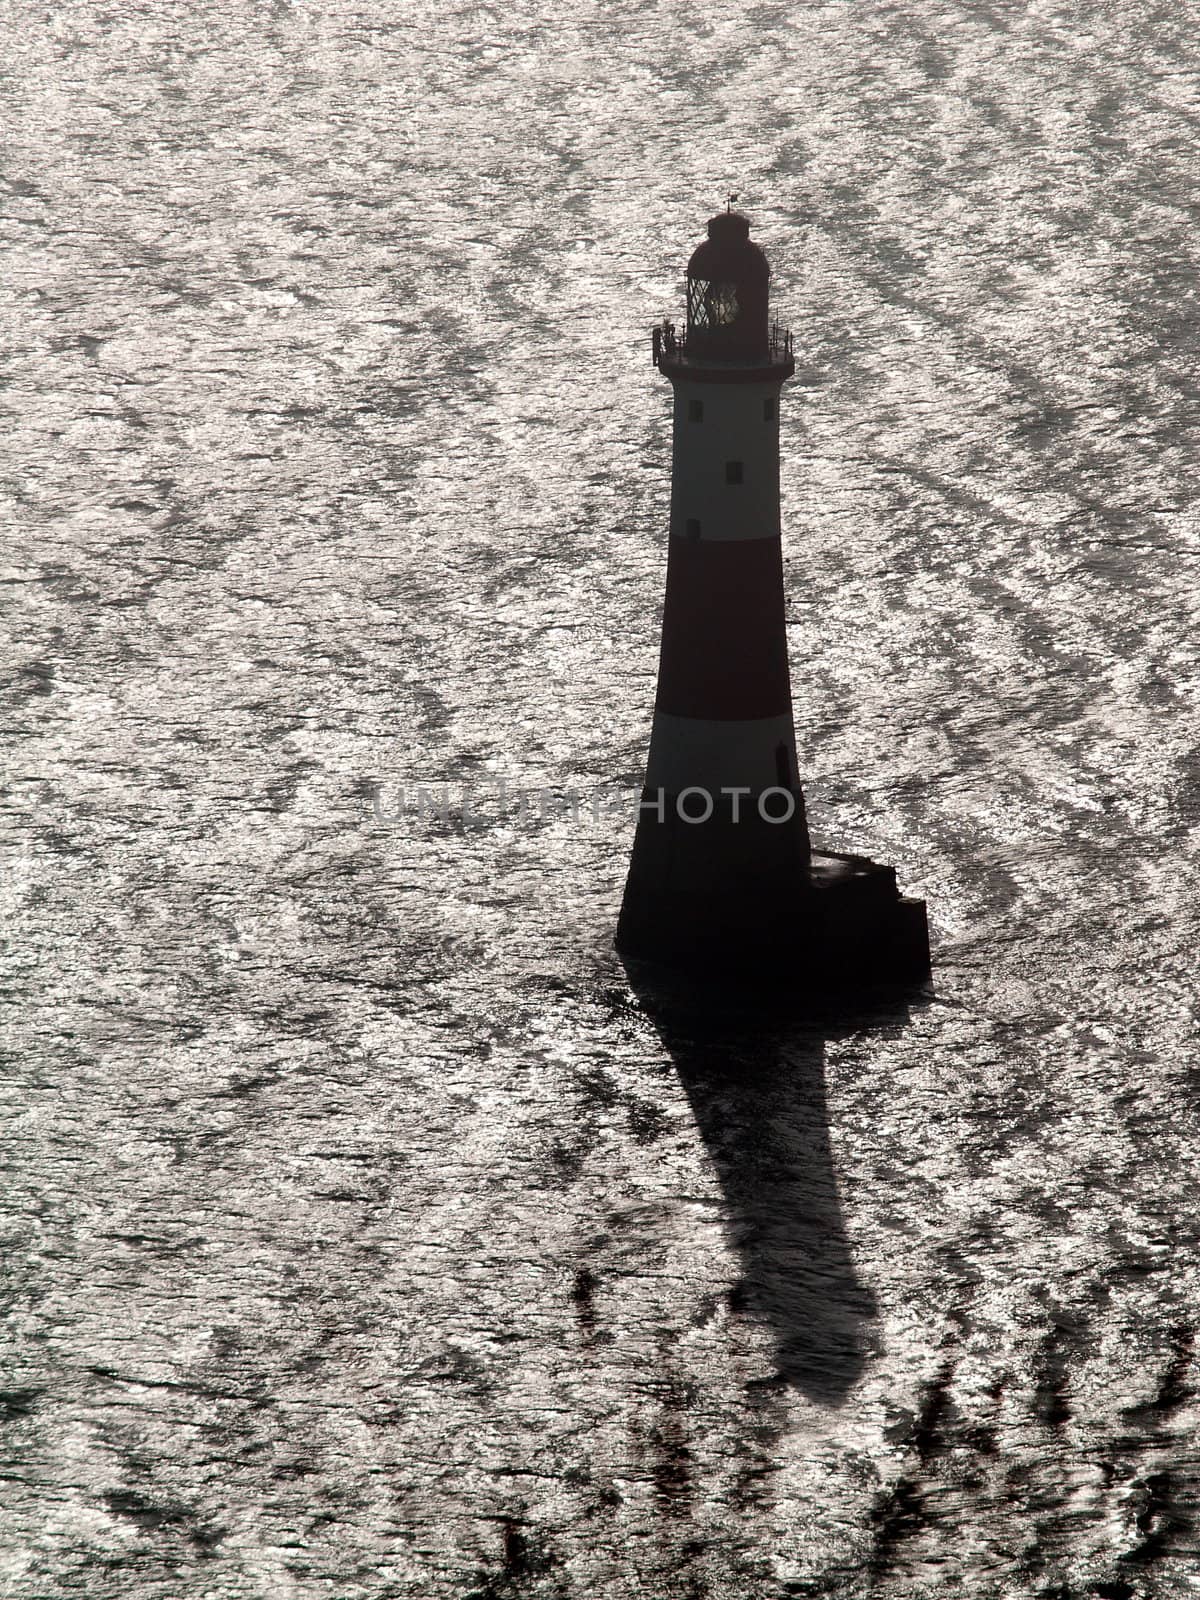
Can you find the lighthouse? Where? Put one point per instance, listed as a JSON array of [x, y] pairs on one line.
[[723, 876]]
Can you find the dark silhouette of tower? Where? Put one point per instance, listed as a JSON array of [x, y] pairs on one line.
[[723, 875]]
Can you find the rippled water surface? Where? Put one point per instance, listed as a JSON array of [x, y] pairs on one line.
[[371, 1231]]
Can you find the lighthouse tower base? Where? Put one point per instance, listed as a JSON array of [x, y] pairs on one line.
[[833, 922]]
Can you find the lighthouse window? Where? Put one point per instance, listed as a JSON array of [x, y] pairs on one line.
[[733, 472], [693, 527], [711, 305], [768, 411], [695, 410]]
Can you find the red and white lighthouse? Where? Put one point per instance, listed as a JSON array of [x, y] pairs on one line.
[[722, 873]]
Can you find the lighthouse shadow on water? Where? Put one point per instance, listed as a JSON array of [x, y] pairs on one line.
[[753, 1069]]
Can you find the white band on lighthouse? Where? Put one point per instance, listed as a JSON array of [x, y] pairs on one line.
[[725, 460]]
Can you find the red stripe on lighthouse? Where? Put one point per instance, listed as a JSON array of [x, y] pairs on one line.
[[724, 644]]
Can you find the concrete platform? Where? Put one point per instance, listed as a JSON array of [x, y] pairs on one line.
[[837, 921]]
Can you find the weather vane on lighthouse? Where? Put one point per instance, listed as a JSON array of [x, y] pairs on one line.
[[723, 875]]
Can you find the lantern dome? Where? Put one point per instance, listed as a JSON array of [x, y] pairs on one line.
[[727, 279]]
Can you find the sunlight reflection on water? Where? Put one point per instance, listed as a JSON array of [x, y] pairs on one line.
[[381, 1237]]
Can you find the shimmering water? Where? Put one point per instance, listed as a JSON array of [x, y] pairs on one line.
[[371, 1232]]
